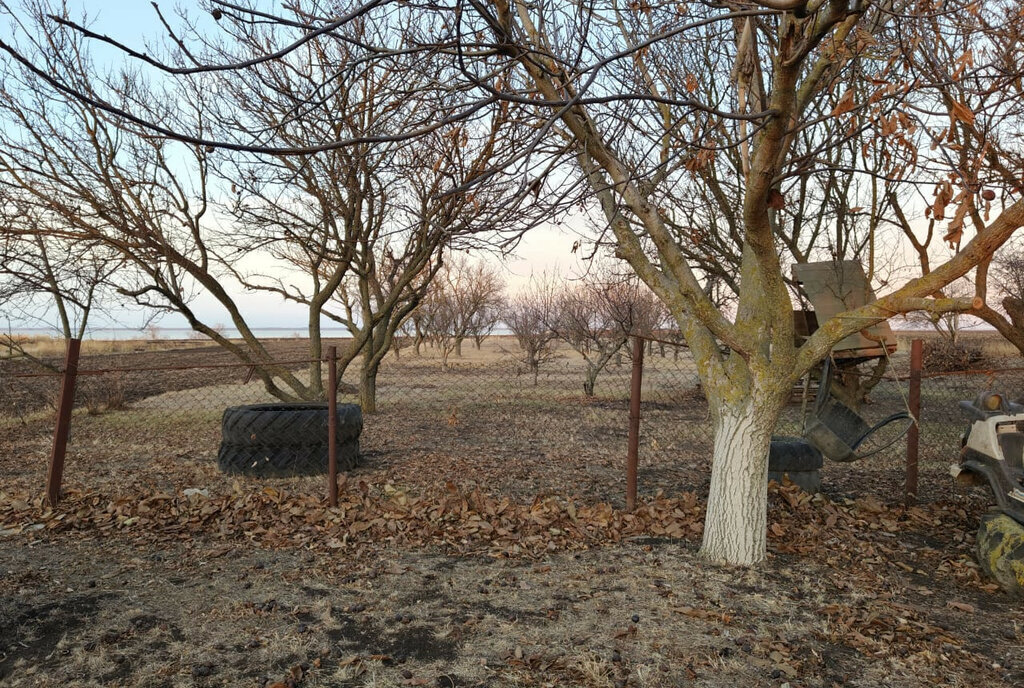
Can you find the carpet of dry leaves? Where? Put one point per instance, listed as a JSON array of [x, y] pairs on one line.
[[480, 545]]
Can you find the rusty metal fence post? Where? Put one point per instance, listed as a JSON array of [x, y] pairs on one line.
[[914, 433], [55, 475], [635, 391], [332, 426]]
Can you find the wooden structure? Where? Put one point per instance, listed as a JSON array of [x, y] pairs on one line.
[[832, 287]]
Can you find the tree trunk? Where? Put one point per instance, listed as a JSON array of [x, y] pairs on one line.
[[458, 347], [368, 388], [1015, 309], [1013, 331], [735, 527], [368, 378], [590, 380]]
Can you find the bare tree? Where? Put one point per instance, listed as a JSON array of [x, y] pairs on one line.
[[462, 303], [352, 234], [527, 314], [144, 200], [367, 223], [46, 283], [950, 325], [597, 315], [485, 301]]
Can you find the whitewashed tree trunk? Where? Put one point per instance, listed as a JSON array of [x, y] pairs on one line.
[[736, 522]]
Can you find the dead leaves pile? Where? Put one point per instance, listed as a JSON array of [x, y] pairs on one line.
[[876, 626], [469, 521], [460, 520], [866, 538]]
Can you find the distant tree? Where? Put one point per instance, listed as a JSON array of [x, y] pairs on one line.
[[528, 314], [598, 314], [1010, 273], [46, 282], [949, 325], [462, 303]]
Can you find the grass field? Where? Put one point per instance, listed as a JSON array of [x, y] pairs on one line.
[[54, 347], [481, 542]]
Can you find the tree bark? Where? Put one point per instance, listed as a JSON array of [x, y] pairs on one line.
[[1014, 308], [590, 380], [368, 387], [735, 526]]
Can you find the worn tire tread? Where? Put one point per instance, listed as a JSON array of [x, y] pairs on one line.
[[282, 425], [284, 461]]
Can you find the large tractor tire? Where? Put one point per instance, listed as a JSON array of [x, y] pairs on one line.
[[283, 440], [286, 424], [1001, 551]]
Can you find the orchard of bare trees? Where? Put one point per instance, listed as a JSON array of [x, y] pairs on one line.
[[336, 155]]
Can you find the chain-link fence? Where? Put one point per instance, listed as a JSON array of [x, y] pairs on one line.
[[942, 421], [154, 419]]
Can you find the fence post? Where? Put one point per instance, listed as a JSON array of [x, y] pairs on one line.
[[914, 433], [332, 426], [55, 475], [633, 451]]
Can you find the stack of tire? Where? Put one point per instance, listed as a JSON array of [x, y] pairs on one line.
[[285, 440]]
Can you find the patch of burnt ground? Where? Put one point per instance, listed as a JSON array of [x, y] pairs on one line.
[[400, 641], [30, 633]]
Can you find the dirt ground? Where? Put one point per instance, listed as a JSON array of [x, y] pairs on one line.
[[478, 544]]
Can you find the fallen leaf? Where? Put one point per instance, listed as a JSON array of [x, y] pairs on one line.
[[962, 606]]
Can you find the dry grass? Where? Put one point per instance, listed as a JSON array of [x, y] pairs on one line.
[[45, 347], [993, 345], [104, 612]]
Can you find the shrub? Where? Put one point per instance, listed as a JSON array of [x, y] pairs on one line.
[[944, 355], [103, 393]]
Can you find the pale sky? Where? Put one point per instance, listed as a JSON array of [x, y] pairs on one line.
[[547, 248], [133, 22]]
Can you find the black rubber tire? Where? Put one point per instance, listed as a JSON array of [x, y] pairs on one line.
[[284, 461], [284, 425], [799, 460], [793, 454], [808, 481]]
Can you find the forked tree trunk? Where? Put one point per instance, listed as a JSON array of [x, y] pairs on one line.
[[736, 523]]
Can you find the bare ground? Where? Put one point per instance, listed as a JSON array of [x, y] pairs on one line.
[[480, 543]]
